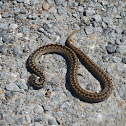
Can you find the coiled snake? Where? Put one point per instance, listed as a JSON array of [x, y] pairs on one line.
[[71, 52]]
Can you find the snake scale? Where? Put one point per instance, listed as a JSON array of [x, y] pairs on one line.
[[38, 80]]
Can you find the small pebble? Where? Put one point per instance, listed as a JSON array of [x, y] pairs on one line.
[[13, 26], [59, 2], [22, 85], [22, 75], [16, 51], [89, 30], [98, 117], [116, 59], [97, 18], [111, 48], [46, 107], [121, 49], [38, 118], [28, 119], [25, 30], [61, 10], [10, 120], [104, 3], [38, 109], [51, 119], [107, 20], [98, 29], [89, 12], [45, 6], [19, 121], [12, 87]]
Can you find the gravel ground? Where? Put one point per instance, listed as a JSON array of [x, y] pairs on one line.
[[26, 25]]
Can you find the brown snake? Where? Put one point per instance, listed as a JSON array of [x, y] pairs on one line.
[[71, 52]]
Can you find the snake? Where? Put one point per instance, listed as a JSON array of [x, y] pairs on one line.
[[37, 78]]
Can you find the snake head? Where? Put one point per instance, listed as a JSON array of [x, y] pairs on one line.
[[36, 81]]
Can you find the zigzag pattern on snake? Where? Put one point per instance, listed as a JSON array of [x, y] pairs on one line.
[[72, 53]]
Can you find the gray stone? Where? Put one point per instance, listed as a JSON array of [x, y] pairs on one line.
[[16, 51], [27, 1], [28, 119], [38, 109], [124, 59], [63, 39], [22, 85], [107, 20], [6, 15], [16, 11], [22, 75], [84, 43], [32, 16], [61, 10], [97, 18], [89, 12], [117, 41], [52, 121], [46, 107], [9, 120], [112, 36], [103, 24], [98, 29], [118, 30], [89, 30], [89, 87], [25, 30], [55, 80], [111, 116], [38, 118], [23, 12], [13, 26], [6, 38], [81, 9], [120, 3], [111, 26], [35, 1], [121, 49], [51, 17], [19, 121], [2, 48], [45, 26], [104, 2], [119, 67], [116, 59], [2, 115], [114, 10], [109, 70], [41, 30], [111, 48], [12, 87], [59, 2]]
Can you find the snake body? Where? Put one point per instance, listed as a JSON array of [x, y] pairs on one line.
[[72, 53]]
